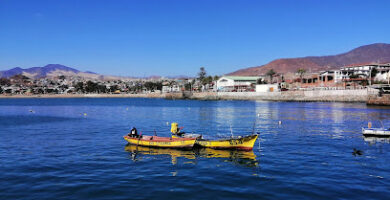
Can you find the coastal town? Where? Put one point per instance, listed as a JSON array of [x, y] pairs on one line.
[[365, 79], [194, 99]]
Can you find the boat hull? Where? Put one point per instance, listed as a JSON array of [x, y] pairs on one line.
[[242, 143], [376, 132], [162, 142]]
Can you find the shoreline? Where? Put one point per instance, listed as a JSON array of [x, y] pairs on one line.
[[80, 96], [350, 96]]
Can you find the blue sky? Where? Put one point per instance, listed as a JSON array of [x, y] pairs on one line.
[[156, 37]]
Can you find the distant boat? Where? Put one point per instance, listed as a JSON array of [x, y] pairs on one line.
[[376, 132]]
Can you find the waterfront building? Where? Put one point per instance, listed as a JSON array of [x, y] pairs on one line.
[[237, 83], [170, 88], [365, 70], [267, 88], [335, 76]]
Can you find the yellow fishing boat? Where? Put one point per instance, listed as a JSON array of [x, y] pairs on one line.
[[163, 142], [239, 142]]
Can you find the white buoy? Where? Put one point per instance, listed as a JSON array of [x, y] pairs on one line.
[[280, 122], [258, 115]]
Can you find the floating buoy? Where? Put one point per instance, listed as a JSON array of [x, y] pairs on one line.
[[85, 114], [167, 123], [280, 122], [258, 114]]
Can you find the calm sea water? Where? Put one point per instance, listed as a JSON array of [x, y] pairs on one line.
[[73, 149]]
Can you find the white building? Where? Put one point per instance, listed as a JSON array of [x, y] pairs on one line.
[[168, 89], [364, 71], [267, 88], [336, 75], [236, 83]]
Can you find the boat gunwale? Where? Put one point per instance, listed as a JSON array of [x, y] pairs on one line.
[[229, 139], [376, 135], [159, 139]]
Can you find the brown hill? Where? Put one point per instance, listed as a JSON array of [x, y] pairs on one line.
[[374, 53]]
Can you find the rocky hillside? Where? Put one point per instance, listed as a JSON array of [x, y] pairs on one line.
[[51, 70], [374, 53]]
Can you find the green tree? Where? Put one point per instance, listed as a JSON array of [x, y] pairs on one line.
[[207, 80], [187, 86], [301, 72], [5, 81], [149, 85], [79, 87], [62, 77], [270, 74], [202, 74], [374, 72], [91, 87], [101, 89], [354, 76]]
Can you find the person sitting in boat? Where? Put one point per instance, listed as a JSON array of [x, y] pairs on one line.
[[179, 132], [133, 132]]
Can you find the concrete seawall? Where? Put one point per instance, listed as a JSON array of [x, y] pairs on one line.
[[314, 95]]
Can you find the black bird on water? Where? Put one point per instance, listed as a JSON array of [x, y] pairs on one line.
[[357, 152]]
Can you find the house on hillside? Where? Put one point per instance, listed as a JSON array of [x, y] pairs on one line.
[[237, 83], [378, 72]]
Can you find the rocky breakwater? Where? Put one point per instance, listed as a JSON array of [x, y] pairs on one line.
[[380, 100]]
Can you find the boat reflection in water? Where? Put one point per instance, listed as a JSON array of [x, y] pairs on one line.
[[243, 158], [373, 140], [139, 151]]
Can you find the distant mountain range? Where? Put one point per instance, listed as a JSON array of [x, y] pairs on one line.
[[374, 53], [55, 70], [50, 70]]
